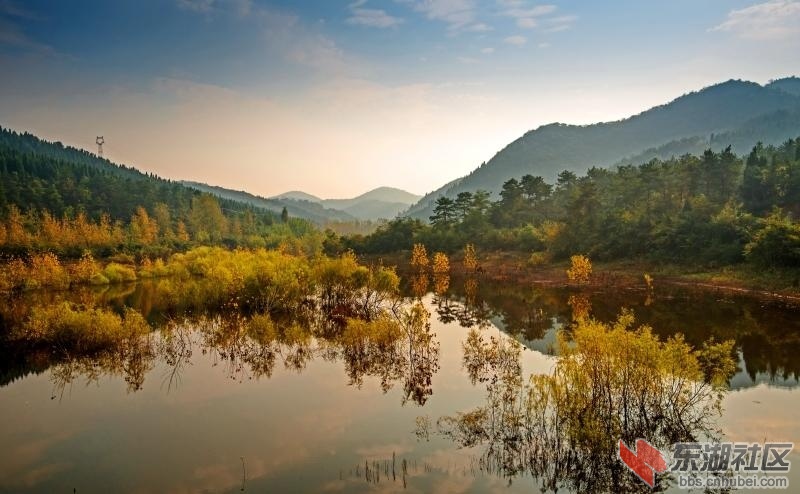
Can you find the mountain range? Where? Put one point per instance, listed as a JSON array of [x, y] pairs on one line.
[[383, 202], [737, 113], [734, 113], [380, 203]]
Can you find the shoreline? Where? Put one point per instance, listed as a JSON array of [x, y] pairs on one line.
[[514, 267]]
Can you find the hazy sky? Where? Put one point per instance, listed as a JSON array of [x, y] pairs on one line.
[[335, 98]]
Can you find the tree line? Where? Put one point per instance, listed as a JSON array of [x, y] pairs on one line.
[[65, 200], [711, 209]]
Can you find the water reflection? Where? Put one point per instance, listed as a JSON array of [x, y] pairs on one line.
[[610, 382], [246, 349], [554, 427], [767, 334]]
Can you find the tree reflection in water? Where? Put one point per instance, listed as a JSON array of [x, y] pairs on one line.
[[397, 346], [610, 382], [131, 358]]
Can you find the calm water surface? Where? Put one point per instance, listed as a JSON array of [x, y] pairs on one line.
[[200, 413]]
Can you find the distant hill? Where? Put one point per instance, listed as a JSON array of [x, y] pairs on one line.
[[790, 85], [382, 194], [722, 109], [309, 210], [380, 203], [774, 128], [298, 195]]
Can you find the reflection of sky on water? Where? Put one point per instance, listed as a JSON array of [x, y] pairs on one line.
[[765, 413], [296, 431]]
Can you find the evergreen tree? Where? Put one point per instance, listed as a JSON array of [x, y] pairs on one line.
[[444, 214]]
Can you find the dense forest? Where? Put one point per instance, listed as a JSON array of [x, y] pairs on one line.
[[66, 200], [737, 113], [712, 209]]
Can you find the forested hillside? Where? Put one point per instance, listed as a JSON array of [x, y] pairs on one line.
[[774, 128], [739, 113], [67, 200], [712, 209], [788, 84]]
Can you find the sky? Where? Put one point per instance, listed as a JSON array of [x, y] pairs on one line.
[[336, 98]]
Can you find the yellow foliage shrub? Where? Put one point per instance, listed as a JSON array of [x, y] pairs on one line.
[[118, 273], [69, 327], [580, 269], [45, 270], [85, 270], [13, 275], [441, 264]]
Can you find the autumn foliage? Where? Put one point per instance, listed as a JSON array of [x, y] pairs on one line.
[[441, 263], [419, 257], [580, 269]]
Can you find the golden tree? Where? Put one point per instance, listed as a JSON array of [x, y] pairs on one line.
[[419, 257], [144, 230], [181, 232], [163, 219], [580, 269], [470, 259], [15, 229], [441, 264]]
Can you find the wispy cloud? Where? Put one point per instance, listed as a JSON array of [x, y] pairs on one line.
[[487, 51], [11, 34], [776, 19], [286, 36], [371, 17], [560, 23], [458, 14], [516, 40], [527, 17]]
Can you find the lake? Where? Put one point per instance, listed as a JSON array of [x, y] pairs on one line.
[[202, 407]]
